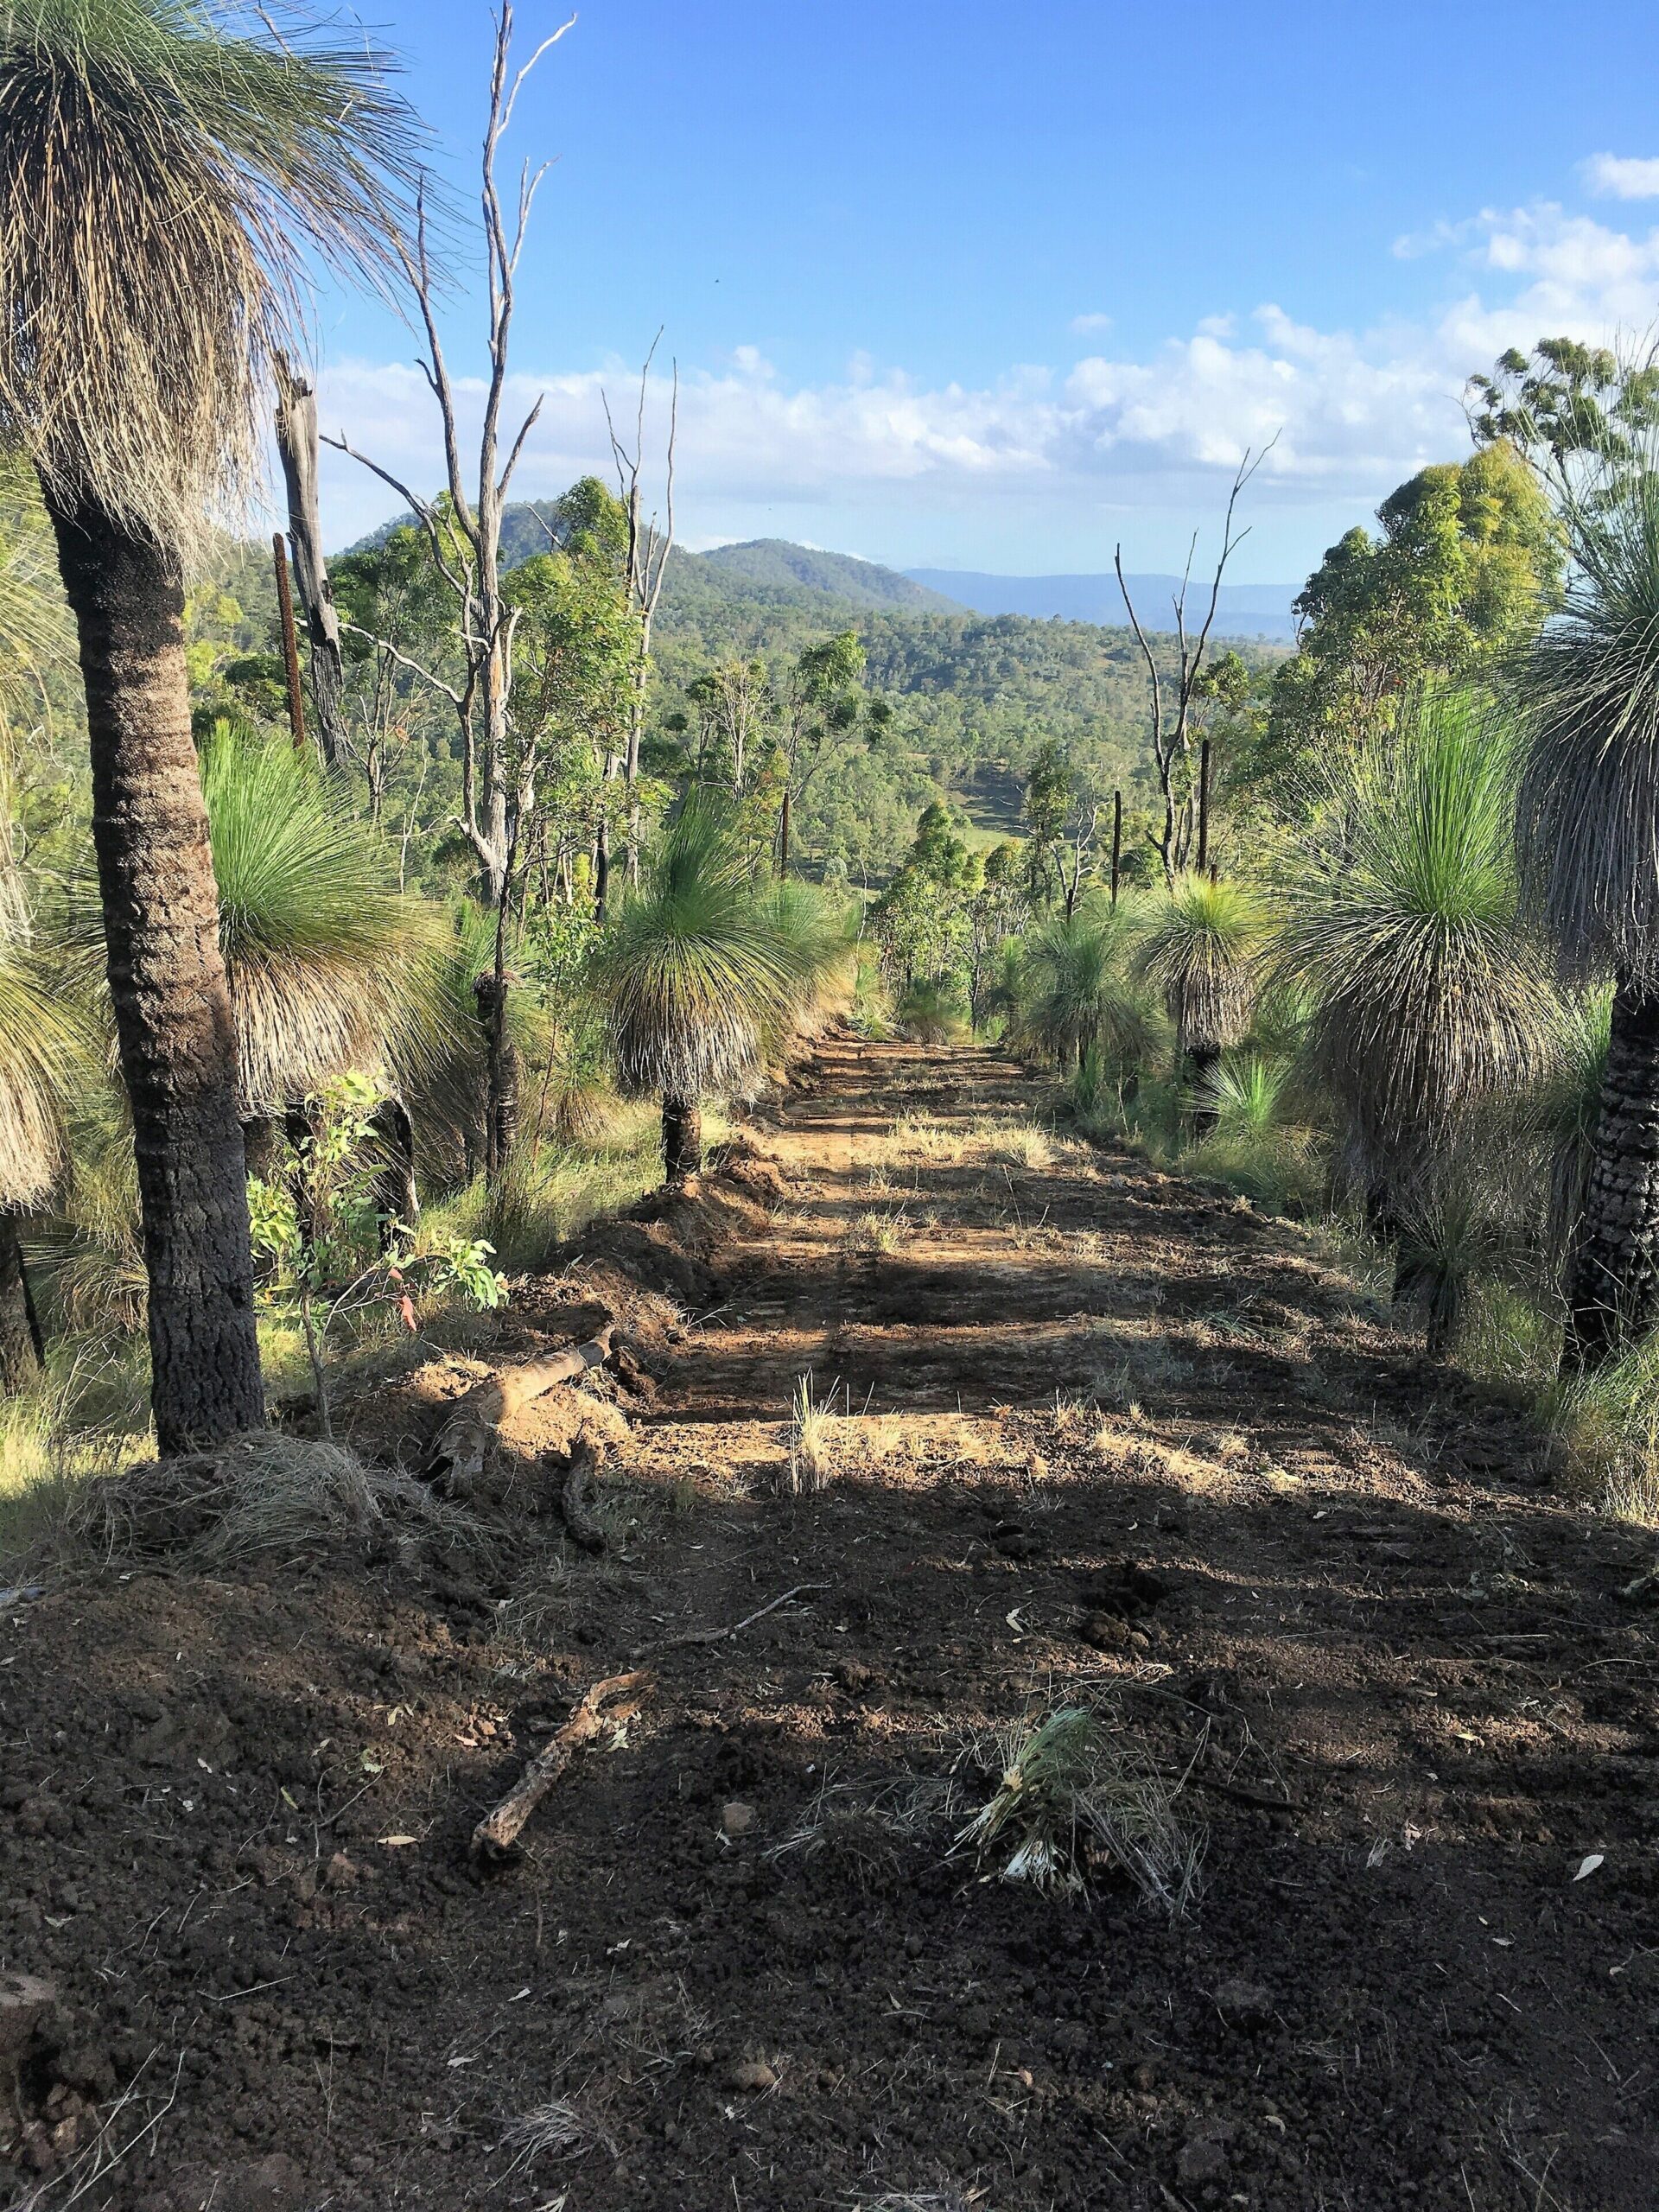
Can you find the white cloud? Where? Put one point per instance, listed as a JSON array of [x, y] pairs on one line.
[[1082, 324], [1614, 176], [1061, 457]]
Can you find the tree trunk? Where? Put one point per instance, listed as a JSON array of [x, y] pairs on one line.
[[1202, 1061], [397, 1199], [167, 980], [783, 838], [682, 1138], [501, 1120], [602, 867], [1613, 1282], [297, 441], [22, 1352]]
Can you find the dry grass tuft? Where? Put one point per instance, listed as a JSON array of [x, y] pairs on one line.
[[557, 2129], [1071, 1797], [1025, 1145], [813, 1453], [869, 1831], [261, 1493], [878, 1231]]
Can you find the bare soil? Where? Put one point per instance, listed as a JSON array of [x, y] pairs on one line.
[[1323, 1585]]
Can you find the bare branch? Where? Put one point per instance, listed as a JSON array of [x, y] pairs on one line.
[[551, 40], [524, 430], [385, 645]]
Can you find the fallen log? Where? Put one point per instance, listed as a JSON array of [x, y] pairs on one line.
[[455, 1463], [495, 1839]]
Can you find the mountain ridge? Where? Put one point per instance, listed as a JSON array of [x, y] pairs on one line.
[[1241, 610]]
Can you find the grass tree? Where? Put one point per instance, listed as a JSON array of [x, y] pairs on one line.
[[699, 973], [1202, 951], [161, 177], [1588, 821], [1426, 998], [1071, 991], [42, 1050], [331, 969]]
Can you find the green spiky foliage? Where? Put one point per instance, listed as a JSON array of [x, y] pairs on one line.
[[1202, 952], [42, 1053], [815, 932], [44, 1057], [1428, 995], [1073, 992], [933, 1013], [1567, 1105], [1587, 818], [34, 630], [163, 176], [331, 968], [698, 971]]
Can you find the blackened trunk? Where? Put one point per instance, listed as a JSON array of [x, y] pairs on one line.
[[1613, 1281], [682, 1138], [167, 980], [1202, 1061], [602, 867], [397, 1199], [501, 1117], [783, 838], [22, 1352]]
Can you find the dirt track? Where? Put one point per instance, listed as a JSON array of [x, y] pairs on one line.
[[1295, 1563]]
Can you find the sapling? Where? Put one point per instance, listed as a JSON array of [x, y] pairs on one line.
[[332, 1254]]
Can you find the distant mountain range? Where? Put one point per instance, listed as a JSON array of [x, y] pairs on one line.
[[1243, 610], [770, 575]]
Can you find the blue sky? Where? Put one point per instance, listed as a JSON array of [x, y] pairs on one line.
[[996, 286]]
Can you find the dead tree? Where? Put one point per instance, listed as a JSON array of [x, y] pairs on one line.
[[649, 547], [463, 533], [297, 442], [463, 526], [1172, 700]]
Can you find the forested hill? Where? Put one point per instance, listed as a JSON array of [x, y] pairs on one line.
[[975, 695]]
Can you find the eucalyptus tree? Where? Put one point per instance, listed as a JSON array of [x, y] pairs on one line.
[[161, 176], [1588, 821]]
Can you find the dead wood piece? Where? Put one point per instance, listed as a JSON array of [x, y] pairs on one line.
[[719, 1635], [580, 1518], [495, 1839], [456, 1461]]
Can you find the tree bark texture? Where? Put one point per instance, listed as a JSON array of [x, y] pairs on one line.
[[1613, 1284], [397, 1195], [167, 980], [297, 442], [501, 1113], [682, 1138], [22, 1354]]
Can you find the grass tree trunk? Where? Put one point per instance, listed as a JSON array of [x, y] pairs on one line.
[[682, 1138], [501, 1112], [22, 1354], [1613, 1285], [167, 980], [1202, 1062]]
